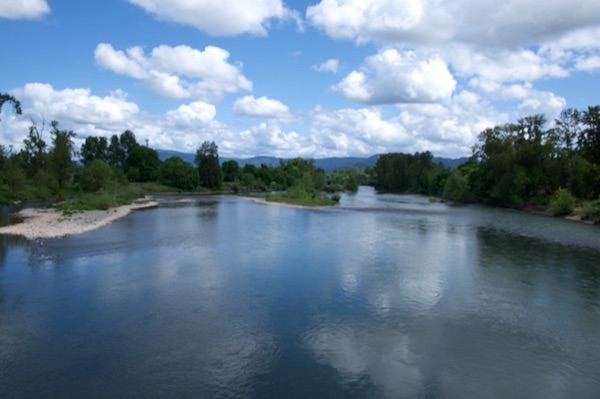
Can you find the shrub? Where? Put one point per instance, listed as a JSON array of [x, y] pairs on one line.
[[562, 202]]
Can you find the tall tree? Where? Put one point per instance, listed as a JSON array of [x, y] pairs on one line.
[[143, 164], [568, 126], [231, 170], [62, 153], [7, 98], [128, 144], [34, 150], [589, 137], [207, 161], [94, 148], [115, 153]]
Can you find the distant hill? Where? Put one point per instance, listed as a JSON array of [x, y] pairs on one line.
[[328, 164]]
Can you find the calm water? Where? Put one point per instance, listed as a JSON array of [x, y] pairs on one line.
[[385, 296]]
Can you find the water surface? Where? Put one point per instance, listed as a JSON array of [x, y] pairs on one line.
[[382, 296]]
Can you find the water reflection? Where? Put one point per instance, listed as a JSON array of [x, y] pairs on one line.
[[383, 296]]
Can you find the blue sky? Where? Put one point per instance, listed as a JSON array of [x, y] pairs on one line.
[[296, 78]]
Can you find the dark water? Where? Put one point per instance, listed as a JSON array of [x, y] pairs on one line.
[[382, 297]]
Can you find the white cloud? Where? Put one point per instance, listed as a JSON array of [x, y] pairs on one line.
[[492, 44], [507, 24], [219, 17], [393, 77], [448, 129], [262, 107], [177, 72], [268, 138], [23, 9], [366, 19], [193, 115], [77, 105], [356, 131], [503, 65], [590, 63], [330, 65]]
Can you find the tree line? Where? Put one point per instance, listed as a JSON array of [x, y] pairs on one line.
[[42, 170], [522, 164], [530, 163]]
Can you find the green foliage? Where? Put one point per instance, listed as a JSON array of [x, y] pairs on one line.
[[143, 164], [589, 137], [95, 176], [207, 161], [178, 173], [302, 200], [231, 170], [7, 98], [562, 203], [34, 156], [62, 153], [94, 148], [457, 187], [89, 202], [590, 211], [404, 172]]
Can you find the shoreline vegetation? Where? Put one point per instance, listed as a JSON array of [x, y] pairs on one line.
[[531, 165], [52, 222]]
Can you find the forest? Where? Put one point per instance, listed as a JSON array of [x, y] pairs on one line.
[[531, 164]]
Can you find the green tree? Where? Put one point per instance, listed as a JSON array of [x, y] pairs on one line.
[[176, 172], [34, 150], [457, 187], [351, 181], [7, 98], [143, 164], [568, 128], [94, 148], [62, 154], [207, 161], [115, 154], [96, 175], [231, 170], [589, 137]]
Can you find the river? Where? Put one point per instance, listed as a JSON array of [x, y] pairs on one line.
[[383, 296]]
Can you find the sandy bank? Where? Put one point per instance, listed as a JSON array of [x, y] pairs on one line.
[[263, 201], [51, 223]]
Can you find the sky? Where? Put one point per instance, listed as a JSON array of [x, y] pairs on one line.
[[310, 78]]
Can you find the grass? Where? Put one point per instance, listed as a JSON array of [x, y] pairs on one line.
[[307, 200], [589, 210]]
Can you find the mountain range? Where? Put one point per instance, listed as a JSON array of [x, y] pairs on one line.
[[327, 164]]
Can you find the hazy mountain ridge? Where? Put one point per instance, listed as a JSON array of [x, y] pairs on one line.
[[328, 164]]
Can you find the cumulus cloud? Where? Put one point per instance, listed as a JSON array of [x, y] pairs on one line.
[[262, 107], [448, 129], [364, 19], [77, 105], [177, 72], [23, 9], [269, 138], [507, 24], [516, 41], [393, 77], [590, 63], [193, 115], [330, 65], [221, 17]]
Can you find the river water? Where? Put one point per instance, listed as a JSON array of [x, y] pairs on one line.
[[383, 296]]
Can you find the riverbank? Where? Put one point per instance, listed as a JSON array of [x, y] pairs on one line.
[[264, 201], [52, 223]]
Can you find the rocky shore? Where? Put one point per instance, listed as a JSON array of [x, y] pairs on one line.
[[52, 223]]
